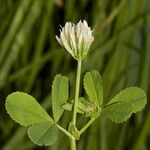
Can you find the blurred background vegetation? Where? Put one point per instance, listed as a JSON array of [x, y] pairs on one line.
[[30, 57]]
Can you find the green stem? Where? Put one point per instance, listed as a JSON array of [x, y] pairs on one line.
[[87, 125], [76, 93], [73, 144], [73, 141], [65, 132]]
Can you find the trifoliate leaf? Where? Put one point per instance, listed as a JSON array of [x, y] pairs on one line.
[[59, 95], [44, 133], [94, 87], [25, 110], [135, 96], [124, 104]]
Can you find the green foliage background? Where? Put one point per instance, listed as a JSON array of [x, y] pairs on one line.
[[30, 57]]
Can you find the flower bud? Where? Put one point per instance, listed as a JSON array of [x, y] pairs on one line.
[[76, 39]]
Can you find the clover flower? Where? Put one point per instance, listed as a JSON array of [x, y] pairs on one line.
[[76, 39]]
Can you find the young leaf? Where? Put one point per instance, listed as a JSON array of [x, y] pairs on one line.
[[44, 133], [59, 95], [94, 87], [69, 107], [136, 97], [118, 112], [89, 109], [84, 107], [24, 109], [124, 104]]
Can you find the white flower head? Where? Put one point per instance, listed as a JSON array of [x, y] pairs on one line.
[[76, 39]]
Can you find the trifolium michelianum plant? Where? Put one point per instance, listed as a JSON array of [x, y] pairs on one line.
[[41, 127]]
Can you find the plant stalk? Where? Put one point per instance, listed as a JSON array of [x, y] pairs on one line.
[[73, 144], [76, 93], [73, 141]]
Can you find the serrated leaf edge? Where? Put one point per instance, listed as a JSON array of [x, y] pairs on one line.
[[51, 96], [6, 108], [128, 101], [93, 82], [44, 133], [109, 103], [116, 120], [127, 89]]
